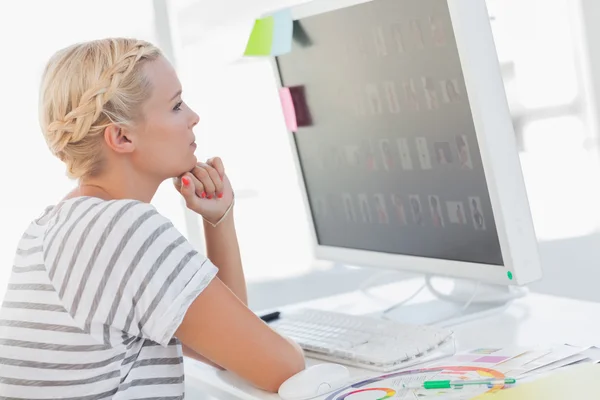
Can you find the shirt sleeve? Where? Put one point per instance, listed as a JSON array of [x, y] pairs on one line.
[[122, 269]]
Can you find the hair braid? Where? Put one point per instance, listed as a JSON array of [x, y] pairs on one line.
[[86, 88]]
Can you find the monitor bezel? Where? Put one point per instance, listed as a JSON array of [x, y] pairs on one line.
[[498, 147]]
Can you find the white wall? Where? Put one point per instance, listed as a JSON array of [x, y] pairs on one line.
[[572, 265]]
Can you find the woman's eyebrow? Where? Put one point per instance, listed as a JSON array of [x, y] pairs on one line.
[[176, 95]]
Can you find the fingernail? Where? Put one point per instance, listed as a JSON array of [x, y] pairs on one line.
[[210, 196], [185, 180], [220, 195], [203, 195]]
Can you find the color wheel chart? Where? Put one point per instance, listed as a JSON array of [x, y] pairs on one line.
[[392, 385]]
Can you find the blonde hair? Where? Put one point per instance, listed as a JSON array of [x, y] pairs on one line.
[[85, 88]]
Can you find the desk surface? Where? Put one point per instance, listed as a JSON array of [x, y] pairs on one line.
[[533, 320]]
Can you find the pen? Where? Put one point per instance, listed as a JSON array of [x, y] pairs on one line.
[[460, 384], [270, 317]]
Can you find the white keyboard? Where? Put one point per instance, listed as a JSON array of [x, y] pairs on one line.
[[365, 342]]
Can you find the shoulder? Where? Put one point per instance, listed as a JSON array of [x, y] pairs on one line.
[[92, 208], [130, 219], [100, 220], [91, 234]]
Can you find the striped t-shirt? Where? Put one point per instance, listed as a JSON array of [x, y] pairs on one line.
[[97, 290]]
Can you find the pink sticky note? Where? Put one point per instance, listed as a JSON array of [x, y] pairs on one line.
[[289, 112]]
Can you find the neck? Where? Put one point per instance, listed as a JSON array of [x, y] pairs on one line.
[[122, 185]]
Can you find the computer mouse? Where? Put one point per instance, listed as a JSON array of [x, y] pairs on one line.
[[315, 381]]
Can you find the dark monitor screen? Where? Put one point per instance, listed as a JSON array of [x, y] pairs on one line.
[[385, 138]]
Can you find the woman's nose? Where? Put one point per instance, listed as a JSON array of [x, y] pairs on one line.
[[195, 119]]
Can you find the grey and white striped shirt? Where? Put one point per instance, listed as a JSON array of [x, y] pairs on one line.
[[97, 290]]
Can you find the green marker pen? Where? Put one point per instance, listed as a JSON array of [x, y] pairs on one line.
[[460, 384]]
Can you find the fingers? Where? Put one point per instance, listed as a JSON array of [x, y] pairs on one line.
[[198, 187], [210, 180], [200, 190], [204, 179], [217, 164], [216, 179], [188, 189]]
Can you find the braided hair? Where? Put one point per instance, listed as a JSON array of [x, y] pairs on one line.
[[87, 87]]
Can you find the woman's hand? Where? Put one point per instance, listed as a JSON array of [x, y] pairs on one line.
[[206, 189]]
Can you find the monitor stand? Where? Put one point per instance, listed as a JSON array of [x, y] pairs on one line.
[[449, 309]]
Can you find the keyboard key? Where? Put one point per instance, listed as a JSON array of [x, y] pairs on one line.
[[366, 341]]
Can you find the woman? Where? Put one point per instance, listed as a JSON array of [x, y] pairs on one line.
[[105, 295]]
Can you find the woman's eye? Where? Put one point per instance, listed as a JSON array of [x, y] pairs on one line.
[[178, 106]]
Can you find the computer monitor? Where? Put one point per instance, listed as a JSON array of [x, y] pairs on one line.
[[405, 143]]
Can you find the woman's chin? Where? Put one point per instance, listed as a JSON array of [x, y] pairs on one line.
[[190, 163], [193, 162]]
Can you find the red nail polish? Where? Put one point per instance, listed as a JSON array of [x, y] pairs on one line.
[[210, 196], [185, 180], [220, 195], [203, 195]]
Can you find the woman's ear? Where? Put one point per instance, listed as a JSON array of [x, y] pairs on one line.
[[117, 140]]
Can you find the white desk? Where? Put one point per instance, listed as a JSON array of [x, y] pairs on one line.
[[530, 321]]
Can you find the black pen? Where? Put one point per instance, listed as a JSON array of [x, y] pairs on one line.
[[270, 317]]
